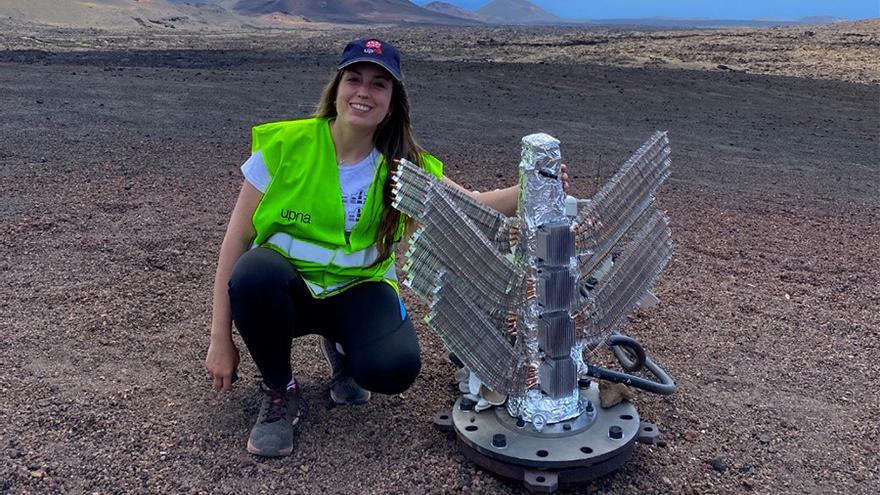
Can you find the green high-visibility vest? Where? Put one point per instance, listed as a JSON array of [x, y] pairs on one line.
[[301, 214]]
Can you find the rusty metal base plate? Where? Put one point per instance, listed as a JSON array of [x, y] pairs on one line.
[[578, 450]]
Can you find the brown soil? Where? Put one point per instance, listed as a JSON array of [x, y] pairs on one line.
[[119, 170]]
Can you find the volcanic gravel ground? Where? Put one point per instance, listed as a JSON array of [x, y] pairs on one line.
[[119, 172]]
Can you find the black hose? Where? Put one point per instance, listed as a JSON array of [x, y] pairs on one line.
[[664, 386], [628, 351], [632, 357]]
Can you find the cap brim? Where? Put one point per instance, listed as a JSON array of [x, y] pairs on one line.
[[397, 76]]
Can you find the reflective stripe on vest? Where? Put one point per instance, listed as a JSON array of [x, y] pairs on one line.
[[307, 251], [317, 290]]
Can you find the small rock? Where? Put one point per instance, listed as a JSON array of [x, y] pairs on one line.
[[717, 464], [764, 438], [39, 473], [611, 394], [691, 435], [750, 469]]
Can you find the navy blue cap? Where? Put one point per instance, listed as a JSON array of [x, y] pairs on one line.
[[375, 51]]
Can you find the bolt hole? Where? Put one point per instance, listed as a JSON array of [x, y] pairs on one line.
[[540, 479], [586, 450], [473, 420], [648, 428], [625, 416], [542, 453], [443, 416], [471, 428]]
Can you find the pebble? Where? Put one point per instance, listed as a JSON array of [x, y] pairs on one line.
[[717, 464], [691, 435], [764, 438]]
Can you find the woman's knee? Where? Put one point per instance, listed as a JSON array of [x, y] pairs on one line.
[[390, 365], [392, 376], [258, 272]]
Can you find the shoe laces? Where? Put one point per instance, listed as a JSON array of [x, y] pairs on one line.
[[277, 405]]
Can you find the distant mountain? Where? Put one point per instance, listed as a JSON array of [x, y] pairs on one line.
[[454, 11], [116, 14], [517, 12], [348, 11]]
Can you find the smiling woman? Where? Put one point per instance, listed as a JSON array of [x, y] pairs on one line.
[[309, 246]]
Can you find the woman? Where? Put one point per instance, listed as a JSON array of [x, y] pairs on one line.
[[319, 264]]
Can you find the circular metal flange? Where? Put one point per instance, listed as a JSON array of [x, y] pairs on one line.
[[597, 437]]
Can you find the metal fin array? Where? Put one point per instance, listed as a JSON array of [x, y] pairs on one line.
[[556, 334], [622, 200], [414, 184], [554, 243], [467, 333], [452, 241], [631, 276], [557, 377], [555, 288], [425, 263]]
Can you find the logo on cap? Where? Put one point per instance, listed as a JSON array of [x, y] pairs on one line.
[[373, 46]]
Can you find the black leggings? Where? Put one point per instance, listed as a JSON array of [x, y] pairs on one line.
[[271, 305]]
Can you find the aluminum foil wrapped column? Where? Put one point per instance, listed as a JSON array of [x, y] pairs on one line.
[[544, 327]]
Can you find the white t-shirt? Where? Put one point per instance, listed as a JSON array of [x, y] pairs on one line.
[[354, 181]]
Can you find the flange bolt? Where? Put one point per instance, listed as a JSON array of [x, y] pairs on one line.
[[539, 421], [615, 432], [466, 404], [499, 440]]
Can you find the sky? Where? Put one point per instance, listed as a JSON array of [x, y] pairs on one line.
[[713, 9]]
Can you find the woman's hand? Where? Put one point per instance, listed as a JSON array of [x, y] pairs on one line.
[[222, 358], [222, 361]]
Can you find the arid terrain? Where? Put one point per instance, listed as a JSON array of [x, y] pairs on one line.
[[119, 155]]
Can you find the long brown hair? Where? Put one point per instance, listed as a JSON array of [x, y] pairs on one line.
[[394, 139]]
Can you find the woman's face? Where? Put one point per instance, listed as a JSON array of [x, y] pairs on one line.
[[364, 95]]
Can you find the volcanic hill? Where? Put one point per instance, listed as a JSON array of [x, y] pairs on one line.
[[517, 12]]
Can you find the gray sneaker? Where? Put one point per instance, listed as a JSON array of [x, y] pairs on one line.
[[272, 435], [343, 389]]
